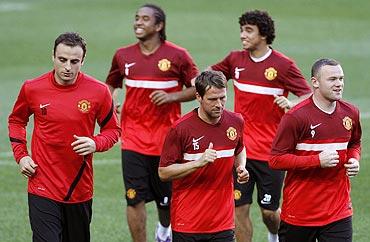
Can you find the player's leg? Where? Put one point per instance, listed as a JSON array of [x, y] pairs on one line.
[[162, 194], [243, 199], [45, 218], [136, 180], [292, 233], [269, 184], [76, 221], [338, 231]]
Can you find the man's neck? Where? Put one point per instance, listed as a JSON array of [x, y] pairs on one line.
[[203, 116], [149, 46], [260, 51], [323, 104]]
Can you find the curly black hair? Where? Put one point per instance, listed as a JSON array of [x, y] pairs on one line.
[[263, 21]]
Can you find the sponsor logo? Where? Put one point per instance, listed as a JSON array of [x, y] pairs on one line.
[[128, 65], [84, 106], [231, 133], [315, 126], [237, 194], [131, 193], [237, 72], [164, 65], [43, 108], [270, 73], [266, 199], [347, 123], [195, 142]]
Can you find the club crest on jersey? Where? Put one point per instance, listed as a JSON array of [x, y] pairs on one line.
[[347, 123], [270, 73], [84, 106], [131, 193], [237, 194], [164, 65], [231, 133]]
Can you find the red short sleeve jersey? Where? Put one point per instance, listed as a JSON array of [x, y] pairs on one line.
[[203, 201], [255, 84], [170, 68], [315, 196], [60, 112]]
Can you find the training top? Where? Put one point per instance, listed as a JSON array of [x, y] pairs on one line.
[[315, 196], [203, 201], [169, 68], [60, 112], [255, 84]]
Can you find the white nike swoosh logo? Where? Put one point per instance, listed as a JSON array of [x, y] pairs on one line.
[[128, 65], [239, 69], [263, 202], [196, 140], [44, 105], [315, 126]]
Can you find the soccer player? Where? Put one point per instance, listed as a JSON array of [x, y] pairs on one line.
[[154, 72], [65, 104], [318, 142], [263, 77], [199, 154]]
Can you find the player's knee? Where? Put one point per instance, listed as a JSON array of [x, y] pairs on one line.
[[270, 216]]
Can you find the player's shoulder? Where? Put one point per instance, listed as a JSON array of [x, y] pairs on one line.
[[92, 81], [233, 116], [347, 105], [183, 122], [38, 81], [301, 107], [281, 57], [127, 48]]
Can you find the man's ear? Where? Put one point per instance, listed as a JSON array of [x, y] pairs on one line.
[[159, 26], [198, 97], [315, 82]]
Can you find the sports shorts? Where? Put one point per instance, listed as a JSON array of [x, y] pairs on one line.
[[59, 222], [269, 184], [338, 231], [223, 236], [142, 182]]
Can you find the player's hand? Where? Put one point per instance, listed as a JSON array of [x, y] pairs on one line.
[[243, 174], [283, 102], [328, 158], [209, 155], [83, 145], [160, 97], [352, 167], [27, 166]]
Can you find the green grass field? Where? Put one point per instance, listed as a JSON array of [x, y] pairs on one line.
[[306, 30]]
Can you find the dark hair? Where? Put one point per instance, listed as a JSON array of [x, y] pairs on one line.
[[160, 16], [320, 63], [71, 39], [263, 21], [208, 79]]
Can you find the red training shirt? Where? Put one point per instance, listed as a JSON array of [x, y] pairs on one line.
[[169, 68], [315, 196], [59, 113], [255, 84], [203, 201]]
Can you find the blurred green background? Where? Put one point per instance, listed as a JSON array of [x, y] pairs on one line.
[[306, 30]]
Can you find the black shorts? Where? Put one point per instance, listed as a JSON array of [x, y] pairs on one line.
[[142, 183], [338, 231], [223, 236], [269, 183], [59, 222]]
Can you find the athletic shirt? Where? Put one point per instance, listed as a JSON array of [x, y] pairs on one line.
[[169, 68], [255, 84], [60, 112], [315, 196], [203, 201]]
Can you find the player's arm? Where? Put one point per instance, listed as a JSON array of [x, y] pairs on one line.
[[109, 130], [160, 97], [241, 171], [354, 148], [179, 170], [286, 104]]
